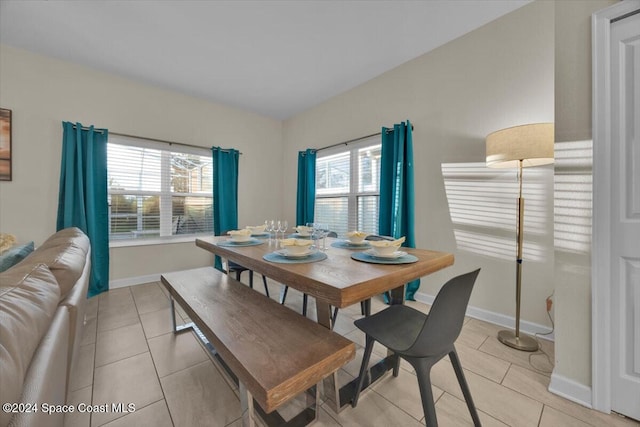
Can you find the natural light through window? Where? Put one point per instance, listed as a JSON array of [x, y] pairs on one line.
[[573, 196], [483, 208], [158, 190], [348, 187]]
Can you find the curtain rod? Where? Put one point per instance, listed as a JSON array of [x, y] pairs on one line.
[[148, 139], [356, 139]]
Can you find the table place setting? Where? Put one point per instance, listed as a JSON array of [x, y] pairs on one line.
[[240, 238], [355, 240], [258, 230], [295, 251], [301, 232], [385, 252]]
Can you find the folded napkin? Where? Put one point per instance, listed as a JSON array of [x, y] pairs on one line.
[[387, 243], [296, 242], [244, 232], [357, 234]]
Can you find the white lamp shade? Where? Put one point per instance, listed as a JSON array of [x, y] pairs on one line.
[[531, 143]]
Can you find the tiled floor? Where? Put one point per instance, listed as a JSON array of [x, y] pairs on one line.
[[129, 355]]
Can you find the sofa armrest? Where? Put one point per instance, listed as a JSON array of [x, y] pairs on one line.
[[46, 379]]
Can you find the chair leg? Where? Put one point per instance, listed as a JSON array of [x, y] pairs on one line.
[[365, 307], [363, 369], [284, 295], [457, 367], [238, 273], [305, 300], [396, 366], [266, 288], [334, 316], [251, 279], [423, 372]]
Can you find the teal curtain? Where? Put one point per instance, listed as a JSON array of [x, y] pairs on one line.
[[82, 200], [396, 217], [306, 198], [225, 192]]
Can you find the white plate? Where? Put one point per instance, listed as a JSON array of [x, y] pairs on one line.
[[394, 255], [350, 243], [239, 241], [284, 253]]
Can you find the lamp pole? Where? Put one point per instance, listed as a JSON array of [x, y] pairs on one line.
[[514, 340]]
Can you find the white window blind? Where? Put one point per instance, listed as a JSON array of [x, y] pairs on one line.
[[158, 190], [348, 187]]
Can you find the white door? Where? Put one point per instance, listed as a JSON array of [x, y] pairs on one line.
[[625, 216]]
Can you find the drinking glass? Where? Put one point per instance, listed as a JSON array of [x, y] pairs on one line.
[[270, 227], [282, 227], [323, 229], [314, 233]]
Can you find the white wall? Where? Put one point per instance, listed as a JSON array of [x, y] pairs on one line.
[[573, 123], [495, 77], [42, 92]]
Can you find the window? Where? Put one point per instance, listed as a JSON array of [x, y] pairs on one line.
[[158, 190], [348, 188]]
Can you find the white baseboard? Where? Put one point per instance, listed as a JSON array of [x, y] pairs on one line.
[[508, 322], [571, 390], [132, 281]]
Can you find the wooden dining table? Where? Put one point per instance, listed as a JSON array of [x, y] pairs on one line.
[[337, 281]]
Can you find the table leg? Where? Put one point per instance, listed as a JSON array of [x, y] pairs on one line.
[[330, 383], [340, 397], [246, 405], [397, 295]]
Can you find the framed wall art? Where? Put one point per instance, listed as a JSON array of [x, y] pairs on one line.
[[5, 144]]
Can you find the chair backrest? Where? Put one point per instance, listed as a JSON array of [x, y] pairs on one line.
[[332, 234], [445, 319]]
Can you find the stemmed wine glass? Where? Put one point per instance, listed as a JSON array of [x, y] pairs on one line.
[[314, 233], [282, 227], [270, 226], [323, 229]]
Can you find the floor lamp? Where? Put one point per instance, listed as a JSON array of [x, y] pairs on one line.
[[520, 147]]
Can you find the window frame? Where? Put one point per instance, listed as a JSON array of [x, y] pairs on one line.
[[353, 194], [165, 194]]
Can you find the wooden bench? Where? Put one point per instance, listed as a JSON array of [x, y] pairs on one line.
[[274, 352]]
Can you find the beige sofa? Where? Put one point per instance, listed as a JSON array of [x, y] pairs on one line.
[[42, 314]]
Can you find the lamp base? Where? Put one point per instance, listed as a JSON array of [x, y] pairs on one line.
[[523, 342]]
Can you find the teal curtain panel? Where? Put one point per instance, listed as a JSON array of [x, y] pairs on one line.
[[225, 192], [82, 200], [306, 196], [397, 201]]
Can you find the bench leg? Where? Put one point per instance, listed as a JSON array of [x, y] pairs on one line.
[[173, 314], [246, 405]]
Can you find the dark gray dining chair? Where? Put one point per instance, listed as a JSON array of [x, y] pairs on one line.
[[239, 269], [423, 339]]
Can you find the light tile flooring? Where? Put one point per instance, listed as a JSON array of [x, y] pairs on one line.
[[129, 355]]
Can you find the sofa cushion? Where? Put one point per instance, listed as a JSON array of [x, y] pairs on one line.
[[28, 301], [65, 253], [14, 255]]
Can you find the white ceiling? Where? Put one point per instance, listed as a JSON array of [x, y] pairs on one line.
[[275, 58]]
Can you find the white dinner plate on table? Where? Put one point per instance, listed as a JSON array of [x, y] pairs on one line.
[[393, 255], [284, 253], [350, 243]]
